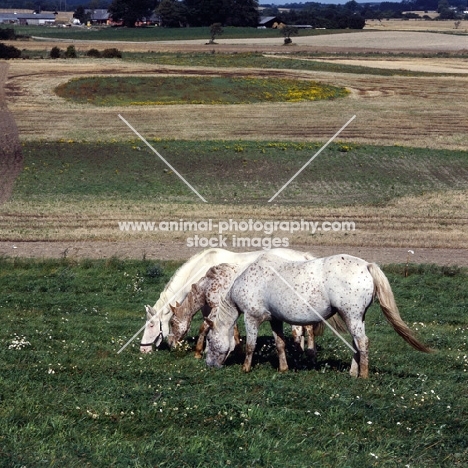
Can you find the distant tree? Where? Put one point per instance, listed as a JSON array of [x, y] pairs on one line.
[[216, 29], [242, 13], [9, 52], [353, 6], [356, 21], [443, 5], [81, 15], [93, 53], [55, 52], [445, 12], [7, 34], [206, 12], [111, 53], [172, 12], [71, 52], [131, 11], [287, 32]]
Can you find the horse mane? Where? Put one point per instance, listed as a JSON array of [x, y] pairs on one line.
[[226, 313], [182, 273], [180, 276]]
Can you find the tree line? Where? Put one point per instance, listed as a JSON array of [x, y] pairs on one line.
[[306, 12], [183, 13], [245, 13]]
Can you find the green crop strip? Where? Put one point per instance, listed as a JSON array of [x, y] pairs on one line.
[[118, 91]]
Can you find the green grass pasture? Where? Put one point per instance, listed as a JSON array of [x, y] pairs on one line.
[[68, 399], [242, 171], [134, 91], [159, 34]]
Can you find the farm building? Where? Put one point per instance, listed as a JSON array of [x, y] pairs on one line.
[[27, 18], [267, 22], [99, 16], [102, 17]]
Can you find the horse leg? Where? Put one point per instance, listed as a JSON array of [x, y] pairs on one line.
[[311, 347], [201, 340], [277, 329], [363, 346], [360, 362], [251, 328], [237, 339], [298, 337], [204, 328]]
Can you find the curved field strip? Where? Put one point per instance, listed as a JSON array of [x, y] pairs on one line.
[[428, 221], [144, 91], [395, 197]]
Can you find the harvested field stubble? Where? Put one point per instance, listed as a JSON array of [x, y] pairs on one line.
[[430, 221], [414, 111]]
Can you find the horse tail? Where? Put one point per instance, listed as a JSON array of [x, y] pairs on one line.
[[390, 310], [335, 321], [319, 328]]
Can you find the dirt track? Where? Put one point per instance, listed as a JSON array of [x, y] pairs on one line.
[[179, 252]]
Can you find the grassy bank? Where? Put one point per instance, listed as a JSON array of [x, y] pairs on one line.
[[68, 399]]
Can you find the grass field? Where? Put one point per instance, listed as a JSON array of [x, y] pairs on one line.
[[157, 34], [68, 399], [132, 172]]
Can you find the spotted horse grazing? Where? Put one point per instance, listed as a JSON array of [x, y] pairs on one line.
[[205, 296], [304, 293]]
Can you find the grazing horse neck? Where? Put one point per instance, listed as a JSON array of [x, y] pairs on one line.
[[226, 314]]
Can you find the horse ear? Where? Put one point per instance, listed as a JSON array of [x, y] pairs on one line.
[[177, 304], [149, 311], [173, 308], [209, 322]]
